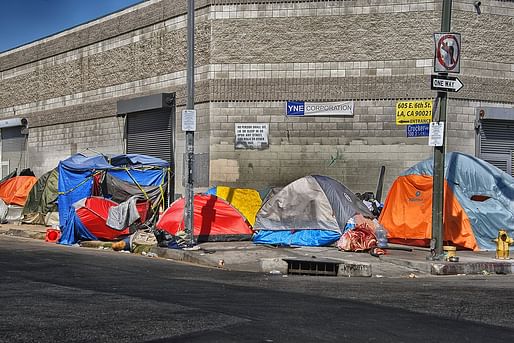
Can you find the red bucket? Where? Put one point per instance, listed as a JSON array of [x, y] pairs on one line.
[[52, 235]]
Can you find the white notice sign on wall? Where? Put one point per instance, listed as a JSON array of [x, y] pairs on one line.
[[251, 136]]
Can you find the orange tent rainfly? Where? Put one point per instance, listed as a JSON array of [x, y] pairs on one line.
[[407, 214], [14, 191]]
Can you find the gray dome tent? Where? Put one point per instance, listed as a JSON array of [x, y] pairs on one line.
[[311, 211]]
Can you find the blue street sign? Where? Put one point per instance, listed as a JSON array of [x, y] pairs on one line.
[[418, 130]]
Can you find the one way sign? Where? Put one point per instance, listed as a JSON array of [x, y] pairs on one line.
[[446, 83]]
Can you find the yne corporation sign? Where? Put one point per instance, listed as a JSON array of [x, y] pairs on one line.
[[304, 108], [447, 52]]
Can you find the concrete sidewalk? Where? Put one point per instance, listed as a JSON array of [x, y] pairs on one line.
[[246, 256]]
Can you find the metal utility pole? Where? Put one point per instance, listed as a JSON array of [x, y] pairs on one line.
[[190, 126], [439, 151]]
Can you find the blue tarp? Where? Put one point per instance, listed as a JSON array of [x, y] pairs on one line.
[[75, 181], [74, 230], [314, 238], [138, 160], [148, 177]]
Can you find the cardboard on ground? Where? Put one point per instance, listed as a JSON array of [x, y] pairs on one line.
[[413, 112]]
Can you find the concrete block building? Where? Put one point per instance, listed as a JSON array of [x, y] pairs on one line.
[[118, 84]]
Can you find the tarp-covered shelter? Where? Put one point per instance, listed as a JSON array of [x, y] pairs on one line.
[[81, 177], [214, 219], [15, 190], [93, 213], [478, 201], [42, 199], [245, 200], [311, 211]]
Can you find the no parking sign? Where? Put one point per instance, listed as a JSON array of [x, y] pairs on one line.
[[447, 52]]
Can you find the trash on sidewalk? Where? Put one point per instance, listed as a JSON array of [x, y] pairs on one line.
[[140, 242], [361, 238], [450, 253]]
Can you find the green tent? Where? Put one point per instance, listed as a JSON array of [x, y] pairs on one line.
[[42, 199]]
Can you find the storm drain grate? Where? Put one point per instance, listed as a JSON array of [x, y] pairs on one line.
[[310, 267]]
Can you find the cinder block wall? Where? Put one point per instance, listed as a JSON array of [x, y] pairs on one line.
[[251, 57], [374, 53]]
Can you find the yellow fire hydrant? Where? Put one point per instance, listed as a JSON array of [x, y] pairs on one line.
[[502, 245]]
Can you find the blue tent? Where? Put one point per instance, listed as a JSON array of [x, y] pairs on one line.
[[76, 177]]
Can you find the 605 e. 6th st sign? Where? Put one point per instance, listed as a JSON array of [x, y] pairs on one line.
[[413, 112]]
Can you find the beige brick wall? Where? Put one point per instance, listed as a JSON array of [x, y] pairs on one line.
[[47, 145], [251, 57]]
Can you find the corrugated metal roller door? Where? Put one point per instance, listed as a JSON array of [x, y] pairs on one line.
[[150, 133], [497, 143], [13, 148]]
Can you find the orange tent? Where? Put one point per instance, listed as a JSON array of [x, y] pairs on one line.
[[14, 191], [407, 214]]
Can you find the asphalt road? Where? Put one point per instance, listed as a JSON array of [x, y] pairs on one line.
[[52, 293]]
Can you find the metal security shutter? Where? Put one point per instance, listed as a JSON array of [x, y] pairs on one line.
[[497, 143], [150, 133], [13, 148]]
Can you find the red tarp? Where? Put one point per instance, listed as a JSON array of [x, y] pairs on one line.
[[214, 220], [94, 213], [14, 191]]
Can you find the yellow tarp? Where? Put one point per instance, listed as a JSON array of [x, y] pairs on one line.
[[247, 201]]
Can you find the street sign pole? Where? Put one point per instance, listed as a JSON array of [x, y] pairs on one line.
[[190, 135], [439, 151]]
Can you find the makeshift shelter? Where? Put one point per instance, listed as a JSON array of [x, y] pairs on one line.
[[311, 211], [214, 219], [15, 190], [42, 199], [478, 201], [81, 177], [245, 200]]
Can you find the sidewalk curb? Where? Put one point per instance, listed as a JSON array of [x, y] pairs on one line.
[[25, 234], [347, 268], [422, 266], [454, 268], [248, 258], [469, 268]]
